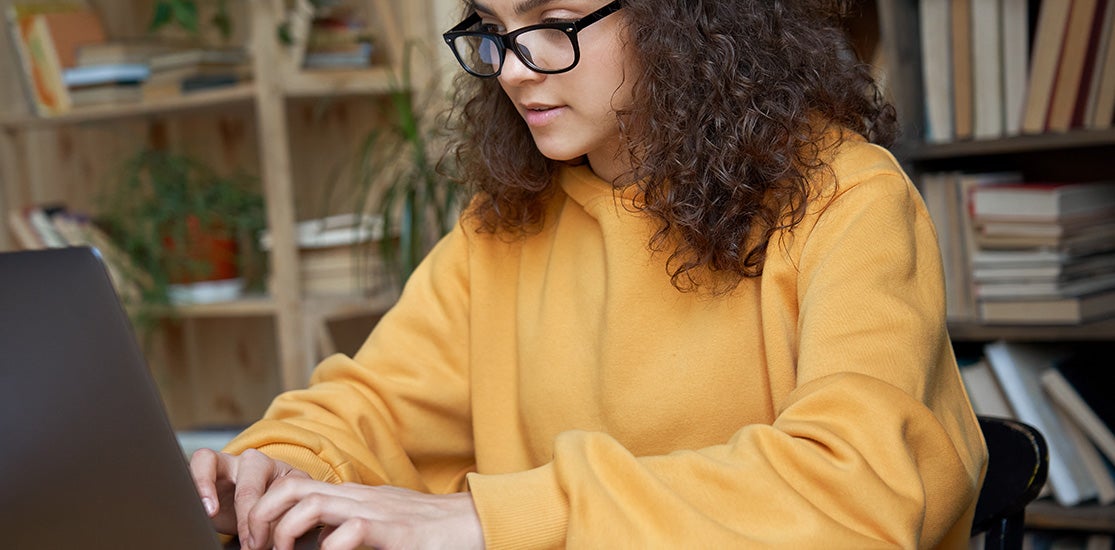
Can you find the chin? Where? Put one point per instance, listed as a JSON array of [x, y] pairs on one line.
[[558, 153]]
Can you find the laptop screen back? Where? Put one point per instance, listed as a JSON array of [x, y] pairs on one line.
[[88, 458]]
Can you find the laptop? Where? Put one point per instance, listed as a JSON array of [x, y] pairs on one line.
[[88, 457]]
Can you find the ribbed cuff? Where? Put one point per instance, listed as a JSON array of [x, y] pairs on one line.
[[521, 510], [299, 457]]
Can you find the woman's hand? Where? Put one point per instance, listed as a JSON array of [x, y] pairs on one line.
[[360, 515], [231, 485]]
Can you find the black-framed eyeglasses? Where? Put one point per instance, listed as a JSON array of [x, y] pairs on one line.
[[548, 48]]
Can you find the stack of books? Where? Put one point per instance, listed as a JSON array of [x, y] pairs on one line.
[[1045, 252], [40, 226], [338, 39], [339, 256], [169, 69], [1018, 252], [68, 61]]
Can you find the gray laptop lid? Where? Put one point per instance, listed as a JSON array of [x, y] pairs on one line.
[[88, 458]]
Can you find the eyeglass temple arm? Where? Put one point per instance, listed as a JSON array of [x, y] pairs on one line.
[[468, 22]]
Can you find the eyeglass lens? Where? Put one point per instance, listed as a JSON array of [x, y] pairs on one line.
[[541, 49]]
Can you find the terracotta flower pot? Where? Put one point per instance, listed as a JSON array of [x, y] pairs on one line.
[[208, 254]]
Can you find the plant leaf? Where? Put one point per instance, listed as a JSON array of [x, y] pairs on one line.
[[161, 17], [185, 12]]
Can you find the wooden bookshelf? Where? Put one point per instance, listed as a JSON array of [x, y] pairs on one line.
[[271, 125], [1075, 155]]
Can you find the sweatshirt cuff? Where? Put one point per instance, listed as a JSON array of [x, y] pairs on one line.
[[298, 457], [521, 510]]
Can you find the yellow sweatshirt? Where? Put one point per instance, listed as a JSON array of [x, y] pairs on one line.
[[585, 402]]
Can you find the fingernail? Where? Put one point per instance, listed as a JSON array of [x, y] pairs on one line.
[[210, 508]]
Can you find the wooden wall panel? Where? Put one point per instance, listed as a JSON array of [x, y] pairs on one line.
[[219, 371], [325, 134], [76, 164]]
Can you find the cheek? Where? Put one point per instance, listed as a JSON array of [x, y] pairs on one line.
[[617, 71]]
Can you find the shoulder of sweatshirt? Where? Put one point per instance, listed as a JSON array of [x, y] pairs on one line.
[[855, 162]]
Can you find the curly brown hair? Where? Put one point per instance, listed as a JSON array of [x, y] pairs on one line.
[[733, 109]]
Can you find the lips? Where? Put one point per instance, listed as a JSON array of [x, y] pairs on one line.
[[537, 115]]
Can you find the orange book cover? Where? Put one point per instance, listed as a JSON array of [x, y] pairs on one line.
[[41, 66], [46, 38]]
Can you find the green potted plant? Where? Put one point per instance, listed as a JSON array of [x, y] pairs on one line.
[[399, 176], [182, 224]]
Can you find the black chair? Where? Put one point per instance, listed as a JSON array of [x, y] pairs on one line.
[[1017, 465]]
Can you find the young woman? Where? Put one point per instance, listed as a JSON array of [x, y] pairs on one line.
[[693, 303]]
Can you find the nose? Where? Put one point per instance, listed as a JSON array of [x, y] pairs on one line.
[[514, 72]]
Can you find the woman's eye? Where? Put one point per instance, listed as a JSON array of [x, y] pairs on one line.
[[490, 27], [559, 16]]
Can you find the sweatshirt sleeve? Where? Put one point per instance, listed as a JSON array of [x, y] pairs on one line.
[[875, 447], [397, 411]]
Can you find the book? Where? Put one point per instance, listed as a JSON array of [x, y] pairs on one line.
[[942, 201], [1042, 201], [22, 230], [1070, 68], [1099, 27], [1100, 240], [985, 257], [983, 389], [156, 55], [77, 230], [1069, 310], [1101, 56], [936, 68], [1082, 386], [1015, 49], [1049, 35], [90, 75], [1050, 229], [103, 94], [338, 255], [960, 14], [39, 217], [361, 56], [987, 69], [1101, 106], [1010, 290], [1098, 265], [46, 37], [1074, 231], [1090, 457], [39, 62], [963, 186], [1018, 368]]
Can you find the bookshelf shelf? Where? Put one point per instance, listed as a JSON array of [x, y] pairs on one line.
[[976, 332], [1045, 514], [263, 305], [239, 93], [252, 306], [1075, 139]]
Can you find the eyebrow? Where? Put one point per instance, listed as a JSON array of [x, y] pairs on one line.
[[521, 8]]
